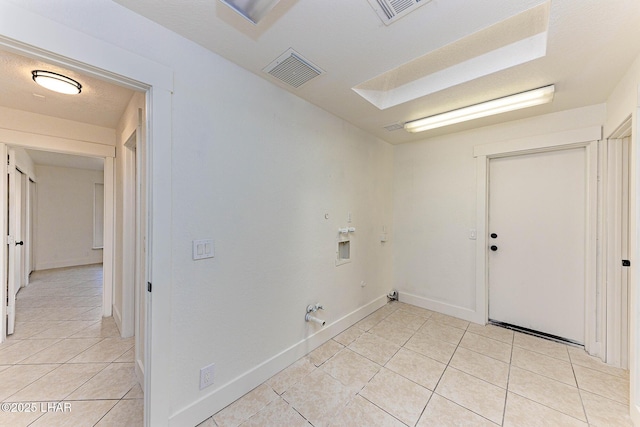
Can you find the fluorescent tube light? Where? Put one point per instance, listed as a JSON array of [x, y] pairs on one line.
[[484, 109], [253, 10]]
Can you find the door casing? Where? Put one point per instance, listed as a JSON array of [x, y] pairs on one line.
[[586, 137]]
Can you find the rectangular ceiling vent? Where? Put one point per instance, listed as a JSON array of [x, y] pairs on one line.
[[391, 10], [394, 126], [293, 69]]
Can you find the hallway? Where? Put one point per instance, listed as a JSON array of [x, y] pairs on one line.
[[65, 365]]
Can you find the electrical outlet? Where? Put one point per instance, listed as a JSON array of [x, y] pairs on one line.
[[206, 376]]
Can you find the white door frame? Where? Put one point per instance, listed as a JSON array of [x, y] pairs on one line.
[[33, 35], [615, 178], [586, 138], [11, 208]]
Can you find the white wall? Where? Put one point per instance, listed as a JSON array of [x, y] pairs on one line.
[[23, 121], [64, 224], [256, 169], [623, 102], [25, 163], [435, 208]]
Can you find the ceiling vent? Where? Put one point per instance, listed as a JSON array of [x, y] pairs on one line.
[[391, 10], [293, 69], [395, 126]]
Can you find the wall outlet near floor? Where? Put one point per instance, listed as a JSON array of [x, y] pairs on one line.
[[206, 376]]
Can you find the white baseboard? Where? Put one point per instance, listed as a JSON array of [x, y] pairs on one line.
[[441, 307], [117, 317], [227, 393], [139, 370], [68, 263]]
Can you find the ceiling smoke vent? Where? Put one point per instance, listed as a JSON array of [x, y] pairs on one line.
[[391, 10], [293, 69]]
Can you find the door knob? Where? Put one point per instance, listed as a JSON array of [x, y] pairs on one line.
[[494, 235], [19, 243], [494, 248]]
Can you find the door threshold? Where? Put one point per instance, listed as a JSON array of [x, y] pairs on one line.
[[535, 333]]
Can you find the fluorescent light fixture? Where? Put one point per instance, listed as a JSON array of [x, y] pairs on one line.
[[56, 82], [253, 10], [484, 109]]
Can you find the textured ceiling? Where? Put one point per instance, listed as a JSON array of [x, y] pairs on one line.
[[100, 103], [589, 45], [461, 48]]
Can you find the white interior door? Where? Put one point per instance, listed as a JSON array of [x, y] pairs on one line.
[[537, 213], [13, 241]]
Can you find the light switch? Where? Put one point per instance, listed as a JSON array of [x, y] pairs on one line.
[[203, 249]]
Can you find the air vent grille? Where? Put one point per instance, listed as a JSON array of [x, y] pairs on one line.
[[400, 6], [293, 69], [391, 10], [394, 126]]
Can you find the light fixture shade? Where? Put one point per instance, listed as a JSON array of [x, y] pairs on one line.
[[56, 82], [253, 10], [530, 98]]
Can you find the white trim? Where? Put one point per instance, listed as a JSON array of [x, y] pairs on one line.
[[587, 138], [117, 317], [71, 262], [4, 185], [220, 397], [128, 236], [439, 306], [592, 342], [98, 221], [538, 143], [108, 238], [55, 144], [634, 295]]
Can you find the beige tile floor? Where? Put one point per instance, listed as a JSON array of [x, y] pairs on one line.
[[65, 365], [406, 366]]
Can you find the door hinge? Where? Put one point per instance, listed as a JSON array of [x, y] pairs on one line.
[[626, 263], [149, 286]]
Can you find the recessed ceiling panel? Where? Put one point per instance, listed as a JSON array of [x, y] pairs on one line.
[[514, 41]]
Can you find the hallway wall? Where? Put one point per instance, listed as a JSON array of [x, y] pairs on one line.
[[64, 217], [272, 192]]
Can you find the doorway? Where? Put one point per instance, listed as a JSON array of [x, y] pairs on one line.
[[615, 243], [537, 223], [584, 138]]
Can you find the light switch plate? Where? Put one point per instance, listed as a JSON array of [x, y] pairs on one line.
[[203, 249]]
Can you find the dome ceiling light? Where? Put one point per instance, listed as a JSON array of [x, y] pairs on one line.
[[56, 82]]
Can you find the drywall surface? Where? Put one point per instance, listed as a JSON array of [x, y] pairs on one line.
[[435, 207], [270, 178], [24, 121], [64, 217], [624, 102]]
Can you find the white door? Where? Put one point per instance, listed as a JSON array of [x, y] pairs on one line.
[[13, 242], [537, 214]]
